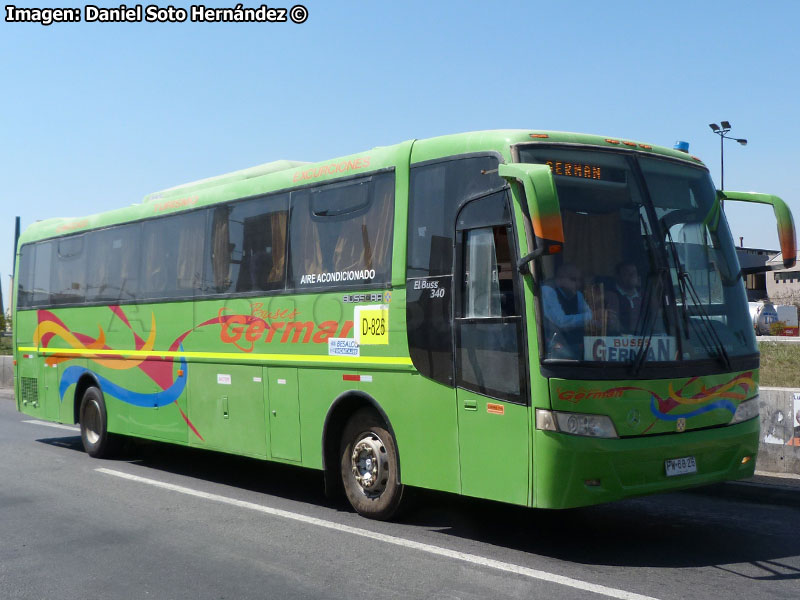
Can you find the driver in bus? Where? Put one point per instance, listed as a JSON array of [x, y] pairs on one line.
[[567, 315], [625, 300]]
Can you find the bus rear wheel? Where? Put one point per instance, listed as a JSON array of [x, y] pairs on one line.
[[97, 442], [369, 467]]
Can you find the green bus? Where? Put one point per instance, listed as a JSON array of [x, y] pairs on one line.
[[540, 318]]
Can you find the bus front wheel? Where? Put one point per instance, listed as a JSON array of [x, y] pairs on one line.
[[369, 467], [97, 442]]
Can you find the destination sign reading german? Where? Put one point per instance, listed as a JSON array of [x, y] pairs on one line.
[[585, 171], [575, 169]]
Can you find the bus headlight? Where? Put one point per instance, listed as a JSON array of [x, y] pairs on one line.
[[599, 426], [745, 411]]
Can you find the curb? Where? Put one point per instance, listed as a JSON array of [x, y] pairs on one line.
[[764, 488]]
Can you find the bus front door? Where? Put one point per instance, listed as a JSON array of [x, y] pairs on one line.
[[490, 374]]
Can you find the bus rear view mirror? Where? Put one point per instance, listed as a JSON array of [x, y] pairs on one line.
[[786, 231], [543, 207]]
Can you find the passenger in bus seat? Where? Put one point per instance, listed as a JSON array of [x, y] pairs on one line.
[[566, 313]]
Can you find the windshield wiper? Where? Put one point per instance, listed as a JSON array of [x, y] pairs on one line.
[[686, 281], [685, 284], [647, 317], [647, 314]]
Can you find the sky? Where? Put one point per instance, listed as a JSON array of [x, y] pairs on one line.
[[94, 116]]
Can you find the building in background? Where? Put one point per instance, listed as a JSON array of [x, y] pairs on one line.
[[756, 283], [783, 285]]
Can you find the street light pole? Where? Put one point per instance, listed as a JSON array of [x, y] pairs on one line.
[[722, 133], [722, 162]]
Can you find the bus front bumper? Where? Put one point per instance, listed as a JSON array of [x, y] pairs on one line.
[[571, 471]]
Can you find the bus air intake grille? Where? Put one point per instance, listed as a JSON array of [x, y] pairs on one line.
[[30, 390]]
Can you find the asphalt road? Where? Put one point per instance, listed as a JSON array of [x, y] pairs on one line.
[[167, 522]]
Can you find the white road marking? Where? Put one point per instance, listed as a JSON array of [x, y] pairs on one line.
[[389, 539], [56, 425]]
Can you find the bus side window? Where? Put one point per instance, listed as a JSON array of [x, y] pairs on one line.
[[341, 233], [113, 263], [172, 264], [247, 249], [437, 191], [157, 258], [488, 319], [68, 277], [25, 276], [487, 285], [41, 273]]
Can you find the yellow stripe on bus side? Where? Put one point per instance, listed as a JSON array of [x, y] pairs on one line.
[[376, 360]]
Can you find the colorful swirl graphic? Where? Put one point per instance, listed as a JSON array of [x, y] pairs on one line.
[[165, 397], [160, 371], [694, 392], [726, 404]]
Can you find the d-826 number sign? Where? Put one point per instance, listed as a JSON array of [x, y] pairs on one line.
[[372, 324]]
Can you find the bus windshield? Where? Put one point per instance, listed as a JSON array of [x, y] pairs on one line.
[[648, 271]]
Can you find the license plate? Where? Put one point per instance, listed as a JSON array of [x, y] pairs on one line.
[[680, 466]]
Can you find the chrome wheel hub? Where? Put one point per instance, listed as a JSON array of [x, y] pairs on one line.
[[370, 465], [91, 418]]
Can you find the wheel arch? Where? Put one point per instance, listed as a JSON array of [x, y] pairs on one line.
[[340, 411], [86, 381]]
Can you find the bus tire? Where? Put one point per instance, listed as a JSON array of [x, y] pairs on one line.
[[369, 466], [97, 442]]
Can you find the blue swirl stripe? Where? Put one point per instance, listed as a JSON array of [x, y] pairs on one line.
[[726, 404], [71, 376]]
